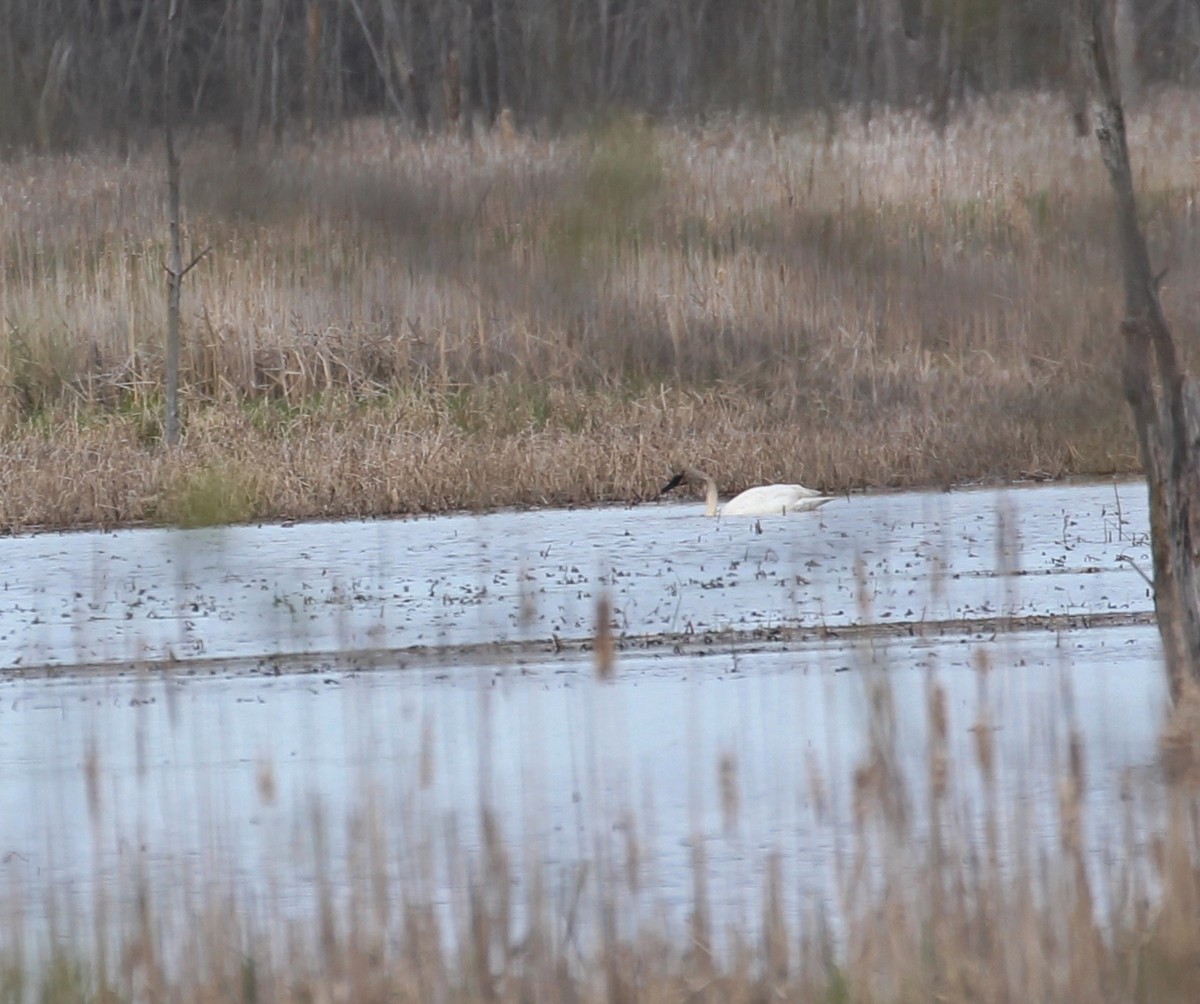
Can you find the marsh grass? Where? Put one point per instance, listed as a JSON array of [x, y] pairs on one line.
[[211, 496], [855, 306]]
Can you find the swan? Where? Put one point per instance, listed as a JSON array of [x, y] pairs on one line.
[[765, 500]]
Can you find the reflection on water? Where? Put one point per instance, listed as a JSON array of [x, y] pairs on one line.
[[735, 744]]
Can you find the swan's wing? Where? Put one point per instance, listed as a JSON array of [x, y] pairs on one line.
[[773, 500], [766, 500], [810, 502], [752, 502]]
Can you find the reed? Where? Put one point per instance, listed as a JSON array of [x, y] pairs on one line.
[[849, 305]]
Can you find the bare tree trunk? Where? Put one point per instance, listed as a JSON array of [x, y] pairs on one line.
[[175, 252], [627, 26], [312, 65], [938, 59], [381, 57], [495, 31], [337, 81], [1187, 34], [176, 270], [1125, 41], [891, 25], [452, 90], [258, 74], [782, 41], [277, 70], [862, 66], [603, 23], [1078, 83], [1164, 401], [50, 101], [1006, 47]]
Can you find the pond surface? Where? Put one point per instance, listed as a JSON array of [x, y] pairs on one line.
[[188, 706], [287, 595]]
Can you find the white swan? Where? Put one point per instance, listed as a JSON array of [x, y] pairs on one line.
[[765, 500]]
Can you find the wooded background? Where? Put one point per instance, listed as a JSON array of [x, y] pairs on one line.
[[74, 71]]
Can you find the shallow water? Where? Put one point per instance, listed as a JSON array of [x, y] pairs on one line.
[[298, 592], [747, 648]]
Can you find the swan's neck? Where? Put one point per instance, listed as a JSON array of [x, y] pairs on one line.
[[710, 497]]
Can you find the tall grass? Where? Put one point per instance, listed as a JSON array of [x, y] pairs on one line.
[[855, 305]]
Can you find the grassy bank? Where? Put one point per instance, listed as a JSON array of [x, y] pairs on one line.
[[386, 325]]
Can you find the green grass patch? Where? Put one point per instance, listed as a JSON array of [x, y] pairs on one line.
[[210, 496]]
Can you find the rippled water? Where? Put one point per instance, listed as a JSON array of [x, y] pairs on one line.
[[175, 699]]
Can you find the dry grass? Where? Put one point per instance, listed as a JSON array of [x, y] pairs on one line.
[[391, 325]]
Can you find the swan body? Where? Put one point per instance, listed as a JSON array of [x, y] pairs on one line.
[[765, 500]]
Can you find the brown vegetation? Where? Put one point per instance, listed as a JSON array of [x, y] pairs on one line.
[[392, 325]]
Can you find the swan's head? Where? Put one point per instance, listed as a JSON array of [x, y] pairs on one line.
[[689, 477], [675, 482]]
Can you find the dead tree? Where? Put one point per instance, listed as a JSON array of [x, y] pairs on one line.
[[174, 265], [1165, 401]]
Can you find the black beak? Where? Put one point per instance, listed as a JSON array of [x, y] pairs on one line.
[[673, 483]]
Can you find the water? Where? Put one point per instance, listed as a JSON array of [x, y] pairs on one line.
[[181, 705], [401, 590]]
